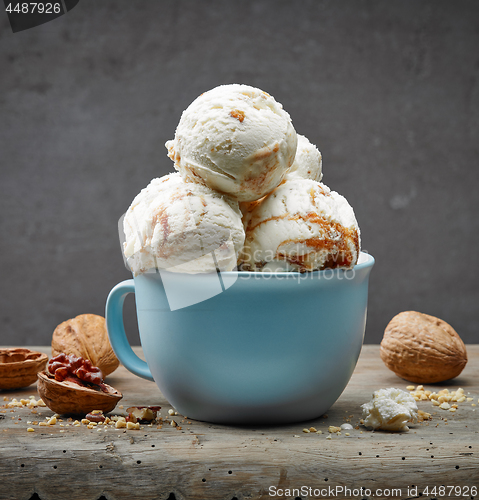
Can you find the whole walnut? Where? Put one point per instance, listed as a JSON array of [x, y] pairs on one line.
[[86, 336], [422, 348]]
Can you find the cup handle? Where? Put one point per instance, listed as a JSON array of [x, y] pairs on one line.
[[116, 330]]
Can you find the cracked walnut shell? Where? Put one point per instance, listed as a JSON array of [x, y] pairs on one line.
[[68, 398], [19, 367], [422, 348], [86, 336]]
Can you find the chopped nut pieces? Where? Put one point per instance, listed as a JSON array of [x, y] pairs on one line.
[[95, 419], [29, 403], [440, 399]]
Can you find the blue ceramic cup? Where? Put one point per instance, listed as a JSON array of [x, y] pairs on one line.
[[246, 347]]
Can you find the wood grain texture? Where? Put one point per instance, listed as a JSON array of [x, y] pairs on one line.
[[206, 461]]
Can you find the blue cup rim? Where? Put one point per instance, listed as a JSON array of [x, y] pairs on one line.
[[368, 262]]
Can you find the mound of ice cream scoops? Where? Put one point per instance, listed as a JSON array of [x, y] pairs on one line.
[[247, 194]]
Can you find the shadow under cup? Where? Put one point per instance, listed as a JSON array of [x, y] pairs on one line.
[[246, 347]]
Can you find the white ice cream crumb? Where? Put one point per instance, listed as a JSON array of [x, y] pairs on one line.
[[390, 410]]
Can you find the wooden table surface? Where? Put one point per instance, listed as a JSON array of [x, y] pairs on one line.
[[205, 461]]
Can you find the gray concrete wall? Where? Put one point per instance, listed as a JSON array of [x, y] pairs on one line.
[[387, 90]]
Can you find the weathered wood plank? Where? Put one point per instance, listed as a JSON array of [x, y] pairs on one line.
[[206, 461]]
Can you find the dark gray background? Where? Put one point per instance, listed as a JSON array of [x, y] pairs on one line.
[[387, 90]]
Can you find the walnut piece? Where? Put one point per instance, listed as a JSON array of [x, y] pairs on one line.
[[78, 370], [422, 348], [71, 385], [143, 413], [86, 336], [95, 416]]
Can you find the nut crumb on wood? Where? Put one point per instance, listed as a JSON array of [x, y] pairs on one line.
[[120, 424], [334, 430], [423, 415]]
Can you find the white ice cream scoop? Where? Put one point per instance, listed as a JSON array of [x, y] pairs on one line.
[[301, 226], [235, 139], [181, 227]]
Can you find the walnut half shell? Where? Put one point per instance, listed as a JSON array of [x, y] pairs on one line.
[[19, 367], [70, 398]]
